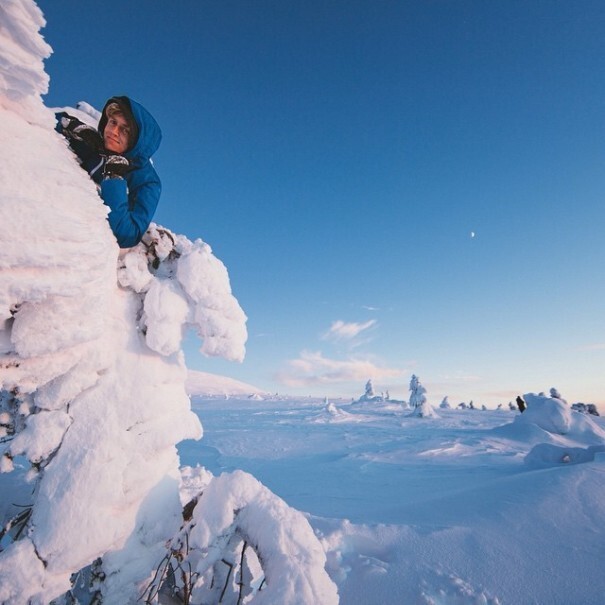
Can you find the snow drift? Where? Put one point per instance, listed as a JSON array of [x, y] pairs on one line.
[[442, 510]]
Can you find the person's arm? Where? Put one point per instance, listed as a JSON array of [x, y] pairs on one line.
[[84, 141], [128, 225]]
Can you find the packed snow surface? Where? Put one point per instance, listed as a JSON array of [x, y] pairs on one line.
[[471, 507]]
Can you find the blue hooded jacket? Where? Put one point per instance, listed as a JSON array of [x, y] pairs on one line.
[[134, 198]]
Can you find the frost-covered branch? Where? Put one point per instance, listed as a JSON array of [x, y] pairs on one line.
[[183, 285], [244, 544]]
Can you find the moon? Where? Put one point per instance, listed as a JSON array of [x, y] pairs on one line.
[[472, 234]]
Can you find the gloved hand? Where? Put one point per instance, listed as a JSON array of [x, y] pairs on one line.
[[116, 166], [74, 129]]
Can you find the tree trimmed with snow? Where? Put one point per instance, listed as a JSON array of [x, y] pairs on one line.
[[421, 408], [92, 375]]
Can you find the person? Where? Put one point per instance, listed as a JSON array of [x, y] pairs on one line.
[[117, 157]]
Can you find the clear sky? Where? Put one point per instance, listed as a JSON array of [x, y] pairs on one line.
[[395, 187]]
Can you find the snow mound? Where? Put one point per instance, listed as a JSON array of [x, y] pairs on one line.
[[545, 455], [556, 417], [203, 383], [332, 413], [550, 414], [424, 410]]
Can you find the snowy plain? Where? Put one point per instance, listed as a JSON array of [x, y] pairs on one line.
[[445, 510]]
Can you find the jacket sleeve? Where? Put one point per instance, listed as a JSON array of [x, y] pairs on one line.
[[131, 212], [88, 152]]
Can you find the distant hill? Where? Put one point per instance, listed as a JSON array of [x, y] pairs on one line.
[[203, 383]]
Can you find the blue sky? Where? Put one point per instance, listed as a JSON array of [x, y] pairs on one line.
[[339, 155]]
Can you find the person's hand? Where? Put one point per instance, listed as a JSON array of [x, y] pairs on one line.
[[116, 166], [76, 130]]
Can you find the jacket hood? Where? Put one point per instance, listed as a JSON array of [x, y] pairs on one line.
[[149, 135]]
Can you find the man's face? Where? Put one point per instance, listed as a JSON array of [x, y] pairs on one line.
[[116, 134]]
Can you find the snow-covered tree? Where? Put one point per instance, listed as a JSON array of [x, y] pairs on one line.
[[369, 395], [421, 408], [92, 375], [586, 408], [417, 392], [445, 404], [554, 393]]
